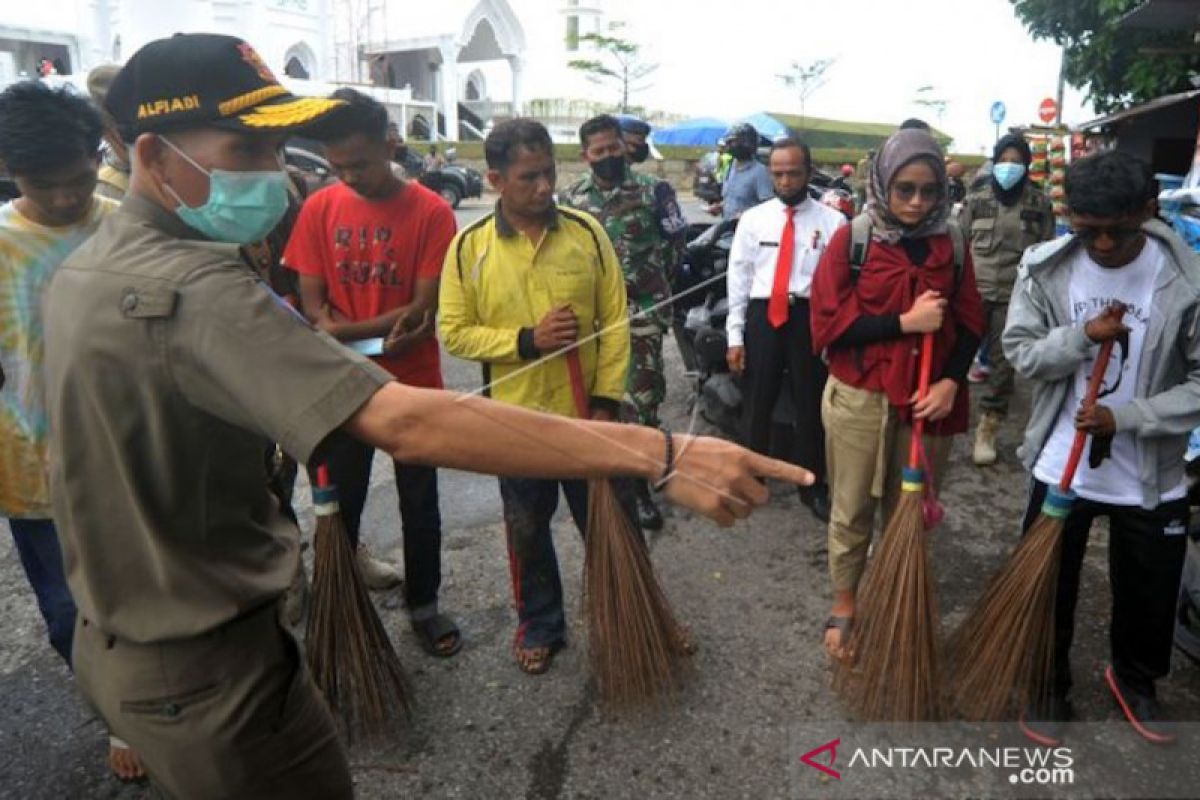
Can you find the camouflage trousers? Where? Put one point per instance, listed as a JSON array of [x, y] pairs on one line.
[[646, 386]]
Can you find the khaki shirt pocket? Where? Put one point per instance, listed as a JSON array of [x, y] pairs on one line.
[[983, 235]]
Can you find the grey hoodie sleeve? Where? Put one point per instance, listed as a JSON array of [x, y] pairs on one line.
[[1036, 350], [1175, 411]]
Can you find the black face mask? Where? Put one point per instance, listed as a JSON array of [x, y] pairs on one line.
[[793, 199], [610, 170], [639, 153], [741, 152]]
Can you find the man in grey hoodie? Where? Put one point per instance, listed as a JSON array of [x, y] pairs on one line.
[[1064, 305]]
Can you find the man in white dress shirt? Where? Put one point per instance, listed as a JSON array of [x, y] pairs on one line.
[[775, 252]]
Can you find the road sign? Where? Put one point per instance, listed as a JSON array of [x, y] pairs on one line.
[[1048, 110], [998, 112]]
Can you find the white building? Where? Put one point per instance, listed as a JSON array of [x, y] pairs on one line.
[[479, 60], [81, 34], [435, 63]]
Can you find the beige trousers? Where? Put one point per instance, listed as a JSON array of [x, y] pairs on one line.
[[866, 447]]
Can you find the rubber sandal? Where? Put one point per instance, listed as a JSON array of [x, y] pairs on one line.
[[430, 632]]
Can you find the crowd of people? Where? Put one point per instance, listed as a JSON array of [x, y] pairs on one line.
[[182, 330]]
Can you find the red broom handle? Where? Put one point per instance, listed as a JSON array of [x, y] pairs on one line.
[[322, 476], [918, 427], [575, 370], [1089, 400]]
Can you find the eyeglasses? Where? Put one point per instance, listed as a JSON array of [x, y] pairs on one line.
[[905, 191], [1118, 234]]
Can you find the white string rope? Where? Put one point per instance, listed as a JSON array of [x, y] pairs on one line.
[[675, 471]]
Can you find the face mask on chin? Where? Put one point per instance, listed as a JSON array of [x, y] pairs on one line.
[[242, 207]]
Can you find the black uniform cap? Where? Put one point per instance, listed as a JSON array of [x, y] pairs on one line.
[[195, 79]]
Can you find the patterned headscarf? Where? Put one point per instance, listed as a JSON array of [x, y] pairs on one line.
[[903, 148]]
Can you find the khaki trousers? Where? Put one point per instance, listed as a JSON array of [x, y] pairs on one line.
[[866, 448], [230, 714]]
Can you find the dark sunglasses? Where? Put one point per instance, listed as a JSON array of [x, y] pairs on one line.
[[905, 190], [1119, 235]]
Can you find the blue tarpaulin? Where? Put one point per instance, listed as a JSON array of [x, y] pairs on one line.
[[699, 132], [766, 125]]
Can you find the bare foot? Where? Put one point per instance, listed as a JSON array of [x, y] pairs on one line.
[[534, 660], [123, 762]]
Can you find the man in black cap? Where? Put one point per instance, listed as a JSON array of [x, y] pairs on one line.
[[170, 367]]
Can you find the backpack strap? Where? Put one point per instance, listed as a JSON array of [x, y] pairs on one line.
[[958, 241], [860, 243]]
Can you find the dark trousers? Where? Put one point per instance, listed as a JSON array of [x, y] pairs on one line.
[[41, 556], [769, 351], [349, 462], [529, 505], [1146, 551]]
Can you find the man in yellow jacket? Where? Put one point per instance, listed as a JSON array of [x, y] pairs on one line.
[[518, 287]]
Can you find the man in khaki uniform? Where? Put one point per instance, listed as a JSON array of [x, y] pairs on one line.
[[1002, 217], [170, 367]]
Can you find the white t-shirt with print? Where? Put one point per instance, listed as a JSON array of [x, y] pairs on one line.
[[1094, 288]]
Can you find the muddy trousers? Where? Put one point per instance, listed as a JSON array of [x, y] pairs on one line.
[[232, 713], [529, 506], [1146, 550]]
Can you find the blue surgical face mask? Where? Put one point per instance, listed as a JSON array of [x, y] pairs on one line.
[[1008, 174], [242, 207]]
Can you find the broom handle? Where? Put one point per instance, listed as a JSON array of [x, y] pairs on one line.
[[575, 370], [918, 426], [1089, 400]]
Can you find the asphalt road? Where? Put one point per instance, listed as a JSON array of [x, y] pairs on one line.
[[754, 596]]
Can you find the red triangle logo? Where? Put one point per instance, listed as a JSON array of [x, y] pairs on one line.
[[832, 746]]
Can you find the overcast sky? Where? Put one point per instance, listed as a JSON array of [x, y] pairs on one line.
[[720, 57]]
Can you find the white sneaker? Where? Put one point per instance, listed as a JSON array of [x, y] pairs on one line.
[[379, 575]]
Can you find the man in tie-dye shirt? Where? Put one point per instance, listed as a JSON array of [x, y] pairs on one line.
[[49, 142]]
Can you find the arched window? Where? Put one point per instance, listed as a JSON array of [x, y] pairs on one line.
[[300, 62], [295, 69]]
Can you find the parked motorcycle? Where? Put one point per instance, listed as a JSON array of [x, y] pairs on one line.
[[698, 323]]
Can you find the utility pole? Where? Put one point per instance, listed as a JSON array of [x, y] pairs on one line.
[[1062, 84]]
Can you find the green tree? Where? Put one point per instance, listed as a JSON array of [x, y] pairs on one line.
[[806, 79], [618, 62], [1115, 66], [927, 97]]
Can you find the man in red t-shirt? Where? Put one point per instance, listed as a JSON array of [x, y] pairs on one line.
[[369, 252]]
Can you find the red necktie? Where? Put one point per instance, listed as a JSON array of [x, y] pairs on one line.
[[777, 306]]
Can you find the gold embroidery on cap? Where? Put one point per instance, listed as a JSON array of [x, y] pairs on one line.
[[244, 101], [251, 57], [285, 114], [170, 105]]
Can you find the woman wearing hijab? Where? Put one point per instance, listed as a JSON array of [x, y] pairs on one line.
[[1002, 218], [870, 326]]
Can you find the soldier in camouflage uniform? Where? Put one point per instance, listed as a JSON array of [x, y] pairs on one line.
[[647, 229], [1002, 217]]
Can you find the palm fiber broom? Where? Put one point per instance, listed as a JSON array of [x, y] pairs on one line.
[[637, 648], [352, 660], [1004, 651], [890, 671]]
